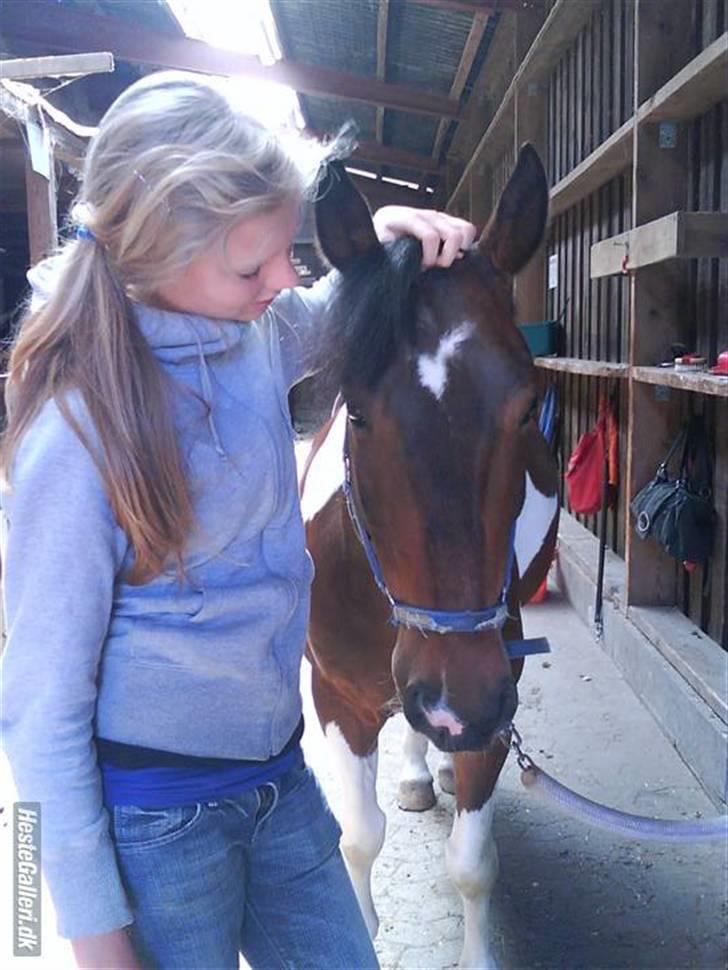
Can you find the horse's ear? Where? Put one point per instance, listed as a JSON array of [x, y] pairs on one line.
[[516, 228], [343, 222]]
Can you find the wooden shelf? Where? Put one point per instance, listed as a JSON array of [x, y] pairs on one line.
[[694, 90], [700, 383], [562, 25], [679, 235], [588, 368], [699, 659], [612, 157]]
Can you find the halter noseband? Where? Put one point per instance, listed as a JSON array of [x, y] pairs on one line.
[[440, 621]]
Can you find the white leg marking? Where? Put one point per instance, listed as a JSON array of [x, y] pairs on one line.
[[362, 821], [432, 368], [472, 861], [416, 793], [414, 764], [326, 473], [446, 773], [533, 524]]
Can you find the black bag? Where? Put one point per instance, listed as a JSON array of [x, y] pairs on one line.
[[678, 513]]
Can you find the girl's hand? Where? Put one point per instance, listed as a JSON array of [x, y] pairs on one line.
[[105, 951], [444, 238]]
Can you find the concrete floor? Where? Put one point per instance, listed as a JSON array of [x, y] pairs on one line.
[[568, 896]]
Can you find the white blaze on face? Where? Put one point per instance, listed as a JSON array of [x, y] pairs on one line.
[[533, 524], [432, 368], [326, 472]]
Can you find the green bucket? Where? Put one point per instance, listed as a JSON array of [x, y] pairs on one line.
[[542, 337]]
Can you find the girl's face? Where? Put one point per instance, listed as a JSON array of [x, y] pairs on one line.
[[237, 278]]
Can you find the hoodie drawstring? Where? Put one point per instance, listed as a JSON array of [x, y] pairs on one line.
[[208, 395]]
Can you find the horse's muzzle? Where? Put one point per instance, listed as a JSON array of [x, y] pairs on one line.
[[447, 729]]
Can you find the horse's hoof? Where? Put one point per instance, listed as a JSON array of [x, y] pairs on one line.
[[415, 796], [446, 779]]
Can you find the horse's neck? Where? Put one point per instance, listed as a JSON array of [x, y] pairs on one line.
[[323, 474]]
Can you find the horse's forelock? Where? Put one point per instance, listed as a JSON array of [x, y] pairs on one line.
[[373, 310]]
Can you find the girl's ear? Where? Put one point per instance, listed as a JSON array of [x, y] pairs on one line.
[[517, 226], [343, 222]]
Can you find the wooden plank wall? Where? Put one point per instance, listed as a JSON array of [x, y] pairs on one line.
[[705, 598], [589, 97], [590, 94]]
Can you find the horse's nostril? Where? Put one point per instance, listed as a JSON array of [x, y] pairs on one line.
[[418, 698], [421, 695]]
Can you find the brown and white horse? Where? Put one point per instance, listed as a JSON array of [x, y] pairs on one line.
[[451, 506]]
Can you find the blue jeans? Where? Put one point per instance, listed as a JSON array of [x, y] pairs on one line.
[[260, 873]]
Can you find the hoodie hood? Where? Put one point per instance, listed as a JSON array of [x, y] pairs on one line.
[[175, 338]]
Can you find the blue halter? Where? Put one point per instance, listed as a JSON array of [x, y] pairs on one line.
[[440, 621]]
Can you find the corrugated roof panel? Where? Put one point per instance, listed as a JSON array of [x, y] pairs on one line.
[[415, 32], [325, 34], [480, 57]]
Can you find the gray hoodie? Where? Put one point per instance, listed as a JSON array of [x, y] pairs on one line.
[[209, 666]]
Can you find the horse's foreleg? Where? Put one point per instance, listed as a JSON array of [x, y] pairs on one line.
[[446, 773], [415, 793], [362, 821], [471, 854]]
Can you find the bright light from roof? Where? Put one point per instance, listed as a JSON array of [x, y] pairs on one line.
[[361, 171], [405, 184], [245, 26]]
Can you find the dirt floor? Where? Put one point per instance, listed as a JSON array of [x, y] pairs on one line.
[[567, 896]]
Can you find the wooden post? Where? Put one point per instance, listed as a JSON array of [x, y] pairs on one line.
[[530, 125], [662, 37], [481, 194], [42, 220]]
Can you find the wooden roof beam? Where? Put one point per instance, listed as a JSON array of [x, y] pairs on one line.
[[371, 151], [382, 23], [470, 50], [65, 30], [60, 65], [483, 7]]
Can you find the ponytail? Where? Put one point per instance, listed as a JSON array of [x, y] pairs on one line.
[[85, 337]]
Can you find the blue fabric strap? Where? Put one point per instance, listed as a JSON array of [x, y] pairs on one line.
[[525, 648]]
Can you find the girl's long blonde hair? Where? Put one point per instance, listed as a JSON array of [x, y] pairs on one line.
[[171, 169]]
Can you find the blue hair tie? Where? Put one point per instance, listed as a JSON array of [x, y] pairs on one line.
[[83, 232]]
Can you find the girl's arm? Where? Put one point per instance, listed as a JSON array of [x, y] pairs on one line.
[[61, 552]]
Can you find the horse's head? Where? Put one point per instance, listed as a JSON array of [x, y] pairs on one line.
[[442, 407]]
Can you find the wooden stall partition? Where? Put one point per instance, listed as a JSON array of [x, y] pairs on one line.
[[658, 292], [606, 77]]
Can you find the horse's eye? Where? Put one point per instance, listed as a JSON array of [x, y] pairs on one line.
[[531, 414], [356, 418]]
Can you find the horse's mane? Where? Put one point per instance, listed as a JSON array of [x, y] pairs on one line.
[[373, 310]]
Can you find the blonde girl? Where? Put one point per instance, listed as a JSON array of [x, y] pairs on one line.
[[156, 581]]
